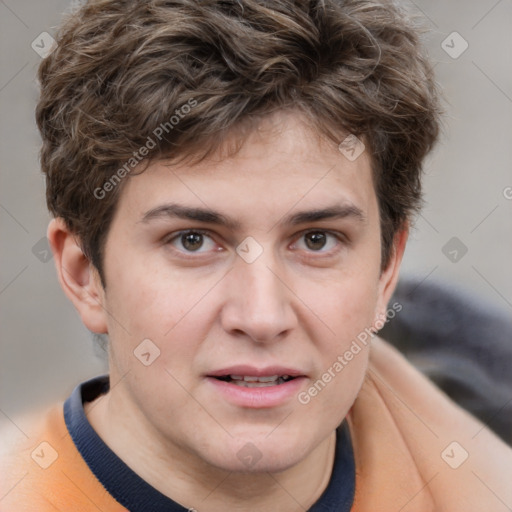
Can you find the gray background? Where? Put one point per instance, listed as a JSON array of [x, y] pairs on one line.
[[45, 350]]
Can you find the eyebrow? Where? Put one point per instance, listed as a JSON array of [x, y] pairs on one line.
[[332, 212], [207, 215], [174, 210]]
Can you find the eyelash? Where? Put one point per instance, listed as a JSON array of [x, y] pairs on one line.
[[177, 235], [341, 239]]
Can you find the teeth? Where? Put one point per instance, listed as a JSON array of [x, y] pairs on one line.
[[252, 381], [247, 378], [250, 378], [245, 384], [261, 379], [249, 381]]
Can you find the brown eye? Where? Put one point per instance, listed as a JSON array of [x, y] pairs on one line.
[[192, 241], [315, 240], [321, 242]]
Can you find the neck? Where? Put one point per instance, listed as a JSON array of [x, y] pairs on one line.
[[192, 482]]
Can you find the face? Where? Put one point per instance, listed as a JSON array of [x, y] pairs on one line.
[[235, 288]]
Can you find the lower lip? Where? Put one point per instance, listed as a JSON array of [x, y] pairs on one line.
[[257, 398]]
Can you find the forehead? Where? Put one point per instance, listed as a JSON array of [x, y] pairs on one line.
[[281, 166]]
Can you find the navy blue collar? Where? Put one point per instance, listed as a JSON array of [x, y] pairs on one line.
[[131, 491]]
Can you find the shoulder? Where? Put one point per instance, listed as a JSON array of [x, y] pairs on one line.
[[43, 469], [416, 440], [25, 449]]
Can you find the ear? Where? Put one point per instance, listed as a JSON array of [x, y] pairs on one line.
[[389, 276], [77, 277]]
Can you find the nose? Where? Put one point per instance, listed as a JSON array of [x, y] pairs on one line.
[[259, 305]]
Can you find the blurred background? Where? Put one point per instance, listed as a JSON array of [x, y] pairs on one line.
[[463, 238]]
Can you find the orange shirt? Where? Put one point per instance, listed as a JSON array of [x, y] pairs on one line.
[[414, 451]]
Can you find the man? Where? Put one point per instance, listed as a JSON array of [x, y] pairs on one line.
[[232, 184]]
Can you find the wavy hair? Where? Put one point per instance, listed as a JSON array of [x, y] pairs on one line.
[[123, 68]]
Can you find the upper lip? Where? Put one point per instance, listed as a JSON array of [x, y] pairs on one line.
[[248, 370]]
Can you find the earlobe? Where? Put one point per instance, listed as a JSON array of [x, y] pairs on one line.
[[389, 276], [77, 277]]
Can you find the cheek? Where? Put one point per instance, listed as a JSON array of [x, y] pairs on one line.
[[158, 342], [345, 306], [342, 341], [162, 308]]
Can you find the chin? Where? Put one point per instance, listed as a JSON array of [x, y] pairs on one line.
[[275, 464], [257, 454]]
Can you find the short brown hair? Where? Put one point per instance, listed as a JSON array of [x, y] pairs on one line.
[[123, 68]]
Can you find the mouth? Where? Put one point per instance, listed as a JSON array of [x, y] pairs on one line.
[[253, 381], [250, 387]]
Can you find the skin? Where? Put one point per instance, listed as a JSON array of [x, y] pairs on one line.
[[208, 309]]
